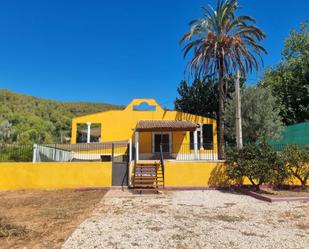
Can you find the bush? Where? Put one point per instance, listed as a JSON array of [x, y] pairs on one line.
[[16, 153], [258, 162], [296, 161]]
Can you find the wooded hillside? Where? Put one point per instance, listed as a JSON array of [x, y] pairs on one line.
[[26, 119]]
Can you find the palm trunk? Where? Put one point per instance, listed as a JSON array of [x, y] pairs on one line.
[[221, 147]]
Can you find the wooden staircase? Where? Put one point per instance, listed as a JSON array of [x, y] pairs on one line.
[[148, 177]]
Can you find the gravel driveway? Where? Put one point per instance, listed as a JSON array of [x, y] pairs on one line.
[[192, 219]]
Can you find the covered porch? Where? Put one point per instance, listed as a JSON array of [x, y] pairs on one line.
[[180, 140]]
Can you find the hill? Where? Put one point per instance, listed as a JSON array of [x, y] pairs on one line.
[[27, 119]]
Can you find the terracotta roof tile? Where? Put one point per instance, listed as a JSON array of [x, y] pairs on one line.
[[165, 125]]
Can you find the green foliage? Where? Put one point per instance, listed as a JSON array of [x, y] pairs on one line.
[[258, 162], [260, 116], [34, 120], [289, 81], [16, 153], [201, 97], [296, 160], [220, 43], [5, 131]]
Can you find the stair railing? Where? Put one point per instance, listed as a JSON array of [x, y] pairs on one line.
[[133, 182], [162, 162]]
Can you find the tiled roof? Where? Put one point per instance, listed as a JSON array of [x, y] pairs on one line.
[[87, 146], [165, 125]]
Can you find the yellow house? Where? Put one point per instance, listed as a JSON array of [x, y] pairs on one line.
[[125, 152], [182, 136]]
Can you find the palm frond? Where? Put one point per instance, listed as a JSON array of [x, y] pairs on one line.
[[222, 42]]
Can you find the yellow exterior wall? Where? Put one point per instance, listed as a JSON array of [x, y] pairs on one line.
[[145, 142], [194, 174], [202, 174], [55, 175], [120, 124]]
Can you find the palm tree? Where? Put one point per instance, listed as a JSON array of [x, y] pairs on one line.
[[220, 44]]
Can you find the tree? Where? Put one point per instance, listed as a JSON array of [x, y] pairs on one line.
[[258, 162], [221, 43], [198, 98], [297, 162], [289, 81], [201, 97], [260, 116], [34, 120], [5, 131]]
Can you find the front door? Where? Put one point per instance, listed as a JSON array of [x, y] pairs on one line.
[[164, 139]]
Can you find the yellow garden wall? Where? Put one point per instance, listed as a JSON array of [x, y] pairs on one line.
[[55, 175], [194, 174], [202, 174]]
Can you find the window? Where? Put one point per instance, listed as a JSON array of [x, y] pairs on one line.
[[192, 140], [144, 107], [207, 138], [164, 139], [82, 131]]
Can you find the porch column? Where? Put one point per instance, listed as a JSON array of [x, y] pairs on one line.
[[136, 145], [195, 144], [73, 132], [201, 137], [88, 132]]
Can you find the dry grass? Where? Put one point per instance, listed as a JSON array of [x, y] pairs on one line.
[[303, 226], [228, 218], [43, 219], [8, 229]]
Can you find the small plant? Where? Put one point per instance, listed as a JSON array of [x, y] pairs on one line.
[[296, 161], [258, 162], [7, 229]]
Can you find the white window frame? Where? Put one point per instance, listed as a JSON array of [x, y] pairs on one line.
[[162, 133]]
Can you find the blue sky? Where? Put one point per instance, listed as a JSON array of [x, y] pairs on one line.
[[113, 51]]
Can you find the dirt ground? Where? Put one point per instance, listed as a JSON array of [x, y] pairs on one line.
[[192, 220], [43, 219]]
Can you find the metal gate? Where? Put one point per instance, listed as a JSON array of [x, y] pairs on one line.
[[120, 159], [120, 174]]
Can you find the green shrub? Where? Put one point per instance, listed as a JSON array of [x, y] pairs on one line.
[[258, 162], [16, 153], [296, 161]]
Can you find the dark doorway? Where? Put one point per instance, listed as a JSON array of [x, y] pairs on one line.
[[164, 139]]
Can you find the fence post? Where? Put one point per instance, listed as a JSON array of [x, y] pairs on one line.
[[34, 153], [113, 152], [130, 150], [130, 160], [195, 145], [54, 153]]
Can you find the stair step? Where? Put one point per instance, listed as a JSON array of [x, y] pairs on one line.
[[146, 190], [147, 178], [145, 174], [146, 181], [147, 168], [147, 165], [145, 171], [145, 186]]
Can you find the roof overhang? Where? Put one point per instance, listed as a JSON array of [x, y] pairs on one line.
[[165, 125]]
